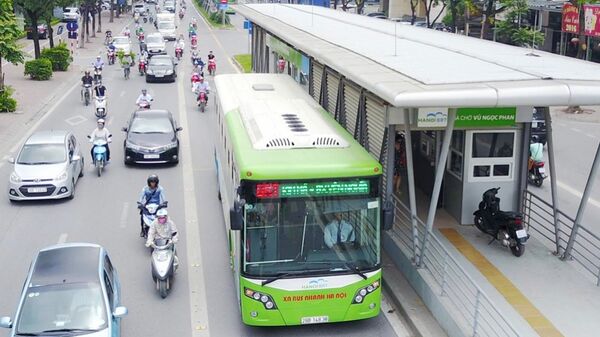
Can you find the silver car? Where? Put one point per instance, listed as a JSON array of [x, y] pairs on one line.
[[122, 43], [47, 167], [72, 289]]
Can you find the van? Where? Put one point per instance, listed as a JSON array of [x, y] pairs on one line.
[[165, 22]]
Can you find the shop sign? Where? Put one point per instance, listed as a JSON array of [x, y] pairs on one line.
[[485, 117], [288, 53], [570, 18], [432, 117], [592, 20]]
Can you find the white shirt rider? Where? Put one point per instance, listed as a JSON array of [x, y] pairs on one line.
[[201, 87], [144, 97], [180, 44], [100, 133]]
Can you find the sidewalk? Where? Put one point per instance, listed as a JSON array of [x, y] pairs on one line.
[[590, 114], [35, 98]]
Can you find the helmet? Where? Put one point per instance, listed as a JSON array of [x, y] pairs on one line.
[[144, 90], [152, 178], [161, 216], [535, 139], [101, 121], [98, 57]]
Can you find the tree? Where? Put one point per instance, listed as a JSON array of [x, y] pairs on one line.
[[34, 10], [9, 33], [512, 31], [429, 4], [413, 11], [99, 11]]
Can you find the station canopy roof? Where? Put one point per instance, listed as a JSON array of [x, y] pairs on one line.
[[417, 67]]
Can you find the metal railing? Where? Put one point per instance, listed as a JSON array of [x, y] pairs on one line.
[[475, 311], [538, 215]]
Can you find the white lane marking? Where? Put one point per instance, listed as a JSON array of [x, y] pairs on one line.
[[591, 136], [197, 283], [576, 193], [575, 130], [62, 238], [124, 212], [122, 93], [39, 121], [75, 120], [393, 318]]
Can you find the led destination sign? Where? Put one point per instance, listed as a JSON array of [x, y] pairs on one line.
[[312, 189]]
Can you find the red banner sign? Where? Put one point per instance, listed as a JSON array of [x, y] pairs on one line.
[[570, 18], [592, 20]]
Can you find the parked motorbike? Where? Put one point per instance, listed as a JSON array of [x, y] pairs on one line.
[[202, 100], [86, 94], [100, 107], [506, 227], [97, 74], [163, 265], [212, 67], [149, 214], [142, 67], [100, 155], [537, 173]]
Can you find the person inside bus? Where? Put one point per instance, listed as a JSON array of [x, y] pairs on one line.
[[338, 231]]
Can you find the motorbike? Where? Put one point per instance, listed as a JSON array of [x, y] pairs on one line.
[[537, 173], [86, 94], [212, 67], [142, 67], [100, 107], [506, 227], [180, 15], [110, 55], [100, 155], [149, 214], [194, 42], [151, 19], [97, 74], [163, 265], [141, 36], [202, 100], [178, 53], [143, 105], [127, 33]]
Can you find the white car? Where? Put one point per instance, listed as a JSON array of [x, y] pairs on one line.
[[122, 43], [168, 30], [155, 44], [47, 167], [139, 7], [71, 14]]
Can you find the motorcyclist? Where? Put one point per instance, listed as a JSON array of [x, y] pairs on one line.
[[138, 30], [87, 79], [163, 228], [126, 31], [193, 23], [191, 30], [108, 37], [211, 56], [180, 44], [136, 17], [144, 97], [100, 90], [201, 86], [100, 132], [153, 193], [98, 63], [197, 62], [536, 151]]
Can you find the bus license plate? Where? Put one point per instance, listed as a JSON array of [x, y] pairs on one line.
[[151, 156], [315, 319], [37, 190], [521, 233]]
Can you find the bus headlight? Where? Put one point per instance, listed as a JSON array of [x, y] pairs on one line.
[[265, 299], [364, 292]]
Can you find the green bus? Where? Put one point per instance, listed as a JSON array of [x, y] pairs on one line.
[[302, 207]]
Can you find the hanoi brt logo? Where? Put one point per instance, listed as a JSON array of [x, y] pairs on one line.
[[432, 117], [315, 284]]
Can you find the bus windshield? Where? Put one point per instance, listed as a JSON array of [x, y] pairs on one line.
[[311, 235]]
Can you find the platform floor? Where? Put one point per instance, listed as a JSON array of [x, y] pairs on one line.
[[540, 293]]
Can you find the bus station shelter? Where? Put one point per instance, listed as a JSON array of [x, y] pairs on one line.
[[464, 107]]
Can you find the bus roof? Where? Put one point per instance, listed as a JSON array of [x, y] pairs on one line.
[[267, 148]]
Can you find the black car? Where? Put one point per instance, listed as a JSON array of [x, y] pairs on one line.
[[538, 123], [161, 68], [151, 138], [42, 30]]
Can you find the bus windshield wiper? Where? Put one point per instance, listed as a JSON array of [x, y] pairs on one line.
[[294, 273], [356, 270]]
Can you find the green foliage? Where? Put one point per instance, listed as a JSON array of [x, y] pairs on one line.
[[121, 56], [511, 31], [245, 61], [40, 69], [9, 34], [7, 103], [217, 17], [60, 56]]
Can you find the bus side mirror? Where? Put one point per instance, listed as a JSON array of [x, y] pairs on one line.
[[235, 215], [388, 215]]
